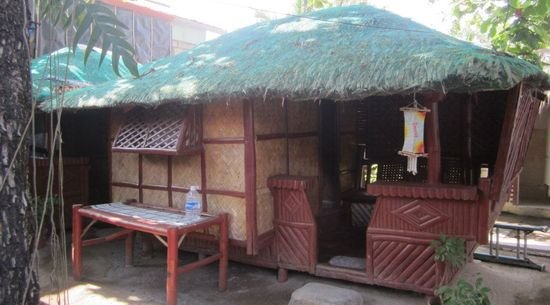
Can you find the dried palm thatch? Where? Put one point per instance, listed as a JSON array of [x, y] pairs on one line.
[[339, 53]]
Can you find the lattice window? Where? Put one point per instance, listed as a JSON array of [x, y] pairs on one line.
[[171, 129]]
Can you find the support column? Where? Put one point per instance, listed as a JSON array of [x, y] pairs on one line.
[[172, 268], [77, 243], [224, 255], [433, 146]]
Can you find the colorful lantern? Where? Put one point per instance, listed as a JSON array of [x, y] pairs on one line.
[[413, 146]]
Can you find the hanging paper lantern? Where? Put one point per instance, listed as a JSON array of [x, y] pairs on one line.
[[413, 146]]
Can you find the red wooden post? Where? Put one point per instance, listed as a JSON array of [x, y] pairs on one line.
[[432, 138], [282, 275], [130, 249], [172, 268], [77, 243], [222, 272], [484, 211]]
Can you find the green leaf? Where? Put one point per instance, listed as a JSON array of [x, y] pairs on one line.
[[82, 28], [106, 45], [130, 63], [94, 37], [115, 60]]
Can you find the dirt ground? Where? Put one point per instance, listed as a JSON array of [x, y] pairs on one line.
[[106, 280]]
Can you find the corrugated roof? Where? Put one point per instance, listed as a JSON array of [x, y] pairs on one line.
[[339, 53], [48, 71]]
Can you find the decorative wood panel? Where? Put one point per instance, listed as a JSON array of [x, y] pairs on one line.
[[451, 217], [424, 191], [295, 227], [170, 129], [361, 214], [521, 113], [403, 263]]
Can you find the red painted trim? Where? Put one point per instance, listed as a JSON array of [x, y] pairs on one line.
[[226, 193], [266, 239], [170, 199], [125, 184], [229, 140], [165, 152], [110, 154], [155, 187], [203, 161], [272, 136], [423, 191], [139, 9], [286, 134], [250, 177]]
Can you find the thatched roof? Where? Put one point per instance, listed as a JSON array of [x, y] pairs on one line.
[[339, 53], [48, 71]]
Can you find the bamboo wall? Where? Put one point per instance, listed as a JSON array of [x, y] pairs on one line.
[[286, 144], [164, 180], [285, 141]]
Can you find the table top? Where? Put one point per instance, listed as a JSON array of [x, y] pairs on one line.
[[145, 217]]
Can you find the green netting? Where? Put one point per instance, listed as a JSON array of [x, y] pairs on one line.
[[48, 71], [339, 53]]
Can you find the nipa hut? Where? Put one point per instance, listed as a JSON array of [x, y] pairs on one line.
[[295, 128]]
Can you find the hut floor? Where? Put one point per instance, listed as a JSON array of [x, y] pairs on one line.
[[342, 241]]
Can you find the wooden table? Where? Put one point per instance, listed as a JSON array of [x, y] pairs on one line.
[[170, 226]]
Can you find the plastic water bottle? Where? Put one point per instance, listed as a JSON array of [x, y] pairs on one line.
[[193, 203]]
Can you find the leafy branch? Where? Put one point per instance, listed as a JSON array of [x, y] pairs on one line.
[[89, 16]]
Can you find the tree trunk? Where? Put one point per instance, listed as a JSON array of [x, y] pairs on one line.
[[18, 284]]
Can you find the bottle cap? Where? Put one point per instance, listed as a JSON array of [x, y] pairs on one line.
[[194, 188]]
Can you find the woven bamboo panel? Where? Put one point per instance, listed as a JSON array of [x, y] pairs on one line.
[[270, 160], [269, 117], [155, 170], [264, 210], [223, 120], [121, 194], [236, 209], [303, 116], [304, 156], [178, 200], [186, 171], [225, 166], [125, 167], [155, 197]]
